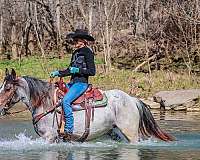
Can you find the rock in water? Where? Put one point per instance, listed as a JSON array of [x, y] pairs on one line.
[[179, 99]]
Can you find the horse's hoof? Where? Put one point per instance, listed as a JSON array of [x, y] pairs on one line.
[[58, 139], [67, 137]]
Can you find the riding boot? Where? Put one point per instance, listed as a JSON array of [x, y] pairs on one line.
[[67, 137]]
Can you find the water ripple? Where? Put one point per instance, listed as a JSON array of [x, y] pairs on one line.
[[22, 142]]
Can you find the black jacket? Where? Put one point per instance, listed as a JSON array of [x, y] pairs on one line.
[[83, 59]]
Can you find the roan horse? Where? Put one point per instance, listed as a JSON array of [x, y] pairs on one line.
[[128, 114]]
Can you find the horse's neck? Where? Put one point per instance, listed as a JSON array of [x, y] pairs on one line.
[[24, 93], [42, 104], [39, 103]]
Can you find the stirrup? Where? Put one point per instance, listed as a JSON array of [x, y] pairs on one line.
[[67, 137]]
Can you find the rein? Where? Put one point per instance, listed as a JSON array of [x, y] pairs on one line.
[[12, 113], [37, 118]]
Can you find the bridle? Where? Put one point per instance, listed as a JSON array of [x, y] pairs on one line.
[[4, 111]]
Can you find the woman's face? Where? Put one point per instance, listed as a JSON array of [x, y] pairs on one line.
[[79, 43]]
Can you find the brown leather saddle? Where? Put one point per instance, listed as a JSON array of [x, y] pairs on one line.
[[90, 94], [86, 102]]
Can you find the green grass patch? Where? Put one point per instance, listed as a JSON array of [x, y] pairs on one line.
[[137, 84]]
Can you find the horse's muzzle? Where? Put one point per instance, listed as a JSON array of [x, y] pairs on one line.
[[2, 112]]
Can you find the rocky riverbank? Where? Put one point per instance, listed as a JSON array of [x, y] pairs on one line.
[[177, 100]]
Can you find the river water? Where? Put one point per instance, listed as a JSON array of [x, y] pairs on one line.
[[19, 141]]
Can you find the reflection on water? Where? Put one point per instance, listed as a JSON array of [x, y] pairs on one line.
[[19, 141]]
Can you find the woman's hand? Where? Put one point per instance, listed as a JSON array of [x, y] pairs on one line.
[[74, 70], [54, 74]]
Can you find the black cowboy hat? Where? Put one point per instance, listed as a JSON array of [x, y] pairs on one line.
[[82, 34]]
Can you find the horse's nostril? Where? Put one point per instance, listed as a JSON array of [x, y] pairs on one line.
[[2, 112]]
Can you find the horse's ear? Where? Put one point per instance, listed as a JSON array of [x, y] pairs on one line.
[[6, 72], [13, 73]]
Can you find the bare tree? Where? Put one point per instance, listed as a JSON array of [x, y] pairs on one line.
[[1, 26], [126, 32]]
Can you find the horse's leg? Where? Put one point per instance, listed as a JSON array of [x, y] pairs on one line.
[[126, 115], [46, 129], [117, 134], [130, 131], [46, 133]]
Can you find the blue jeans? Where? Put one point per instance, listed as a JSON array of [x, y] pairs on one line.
[[75, 90]]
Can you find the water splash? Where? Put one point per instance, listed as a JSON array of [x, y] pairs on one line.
[[22, 142]]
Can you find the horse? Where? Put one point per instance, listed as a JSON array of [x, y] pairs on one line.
[[128, 114]]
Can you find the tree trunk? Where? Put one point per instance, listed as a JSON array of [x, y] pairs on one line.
[[107, 37], [59, 47], [82, 11], [142, 7], [14, 42], [138, 19], [1, 34], [1, 27], [27, 39], [58, 20], [90, 17], [36, 25]]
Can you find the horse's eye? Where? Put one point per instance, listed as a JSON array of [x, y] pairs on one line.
[[7, 87]]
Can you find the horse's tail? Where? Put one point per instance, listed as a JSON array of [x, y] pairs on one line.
[[148, 126]]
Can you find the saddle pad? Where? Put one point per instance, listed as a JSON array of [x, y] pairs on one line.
[[96, 104]]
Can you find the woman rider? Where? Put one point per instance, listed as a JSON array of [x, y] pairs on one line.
[[81, 67]]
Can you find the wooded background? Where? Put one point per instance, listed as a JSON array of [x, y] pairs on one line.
[[141, 35]]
